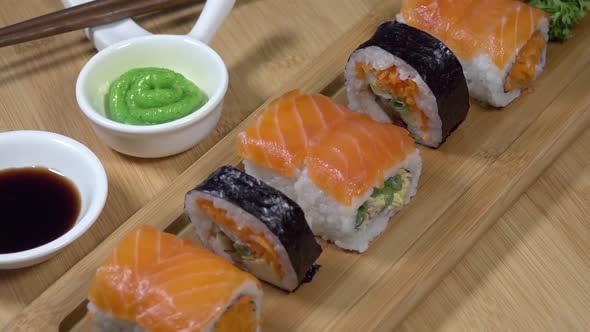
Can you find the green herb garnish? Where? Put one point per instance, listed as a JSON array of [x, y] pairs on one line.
[[361, 215], [243, 250], [565, 14], [398, 105]]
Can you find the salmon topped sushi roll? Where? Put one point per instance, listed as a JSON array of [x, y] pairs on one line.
[[254, 226], [356, 177], [501, 43], [275, 145], [154, 281]]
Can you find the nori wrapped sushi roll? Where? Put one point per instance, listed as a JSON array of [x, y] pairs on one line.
[[406, 76], [254, 226]]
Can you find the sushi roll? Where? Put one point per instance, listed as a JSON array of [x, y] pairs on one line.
[[274, 146], [154, 281], [356, 177], [406, 76], [254, 226], [501, 44]]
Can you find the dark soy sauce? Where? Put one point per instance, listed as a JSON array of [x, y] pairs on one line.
[[37, 206]]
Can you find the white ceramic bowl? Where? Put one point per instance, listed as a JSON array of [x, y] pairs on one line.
[[189, 57], [72, 159]]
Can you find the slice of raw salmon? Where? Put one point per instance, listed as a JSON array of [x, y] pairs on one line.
[[281, 135], [163, 283], [353, 156], [497, 28]]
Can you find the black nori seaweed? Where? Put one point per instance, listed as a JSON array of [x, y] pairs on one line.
[[311, 273], [436, 64], [281, 215]]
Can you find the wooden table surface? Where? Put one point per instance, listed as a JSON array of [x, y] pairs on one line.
[[530, 271]]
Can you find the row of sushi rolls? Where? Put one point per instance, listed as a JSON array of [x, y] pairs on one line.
[[314, 168]]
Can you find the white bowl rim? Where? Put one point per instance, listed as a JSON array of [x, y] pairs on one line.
[[214, 100], [100, 192]]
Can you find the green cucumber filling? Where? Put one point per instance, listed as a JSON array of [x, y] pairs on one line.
[[390, 100], [392, 105], [242, 249], [246, 258], [398, 105], [238, 251], [390, 196]]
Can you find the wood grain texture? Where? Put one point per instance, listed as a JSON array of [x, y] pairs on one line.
[[495, 155], [87, 15], [24, 284], [530, 271], [261, 48], [315, 76]]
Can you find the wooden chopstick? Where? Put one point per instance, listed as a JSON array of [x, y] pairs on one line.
[[83, 16], [72, 12]]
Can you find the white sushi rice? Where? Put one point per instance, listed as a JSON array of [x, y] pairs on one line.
[[486, 81], [362, 99], [335, 222], [104, 321], [205, 226], [278, 181], [107, 322]]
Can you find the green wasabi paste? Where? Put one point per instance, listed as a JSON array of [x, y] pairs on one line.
[[148, 96]]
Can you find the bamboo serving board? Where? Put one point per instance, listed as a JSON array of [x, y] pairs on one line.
[[465, 186]]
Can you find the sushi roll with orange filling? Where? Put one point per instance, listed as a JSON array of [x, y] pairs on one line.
[[502, 44], [405, 76], [154, 281], [254, 226]]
